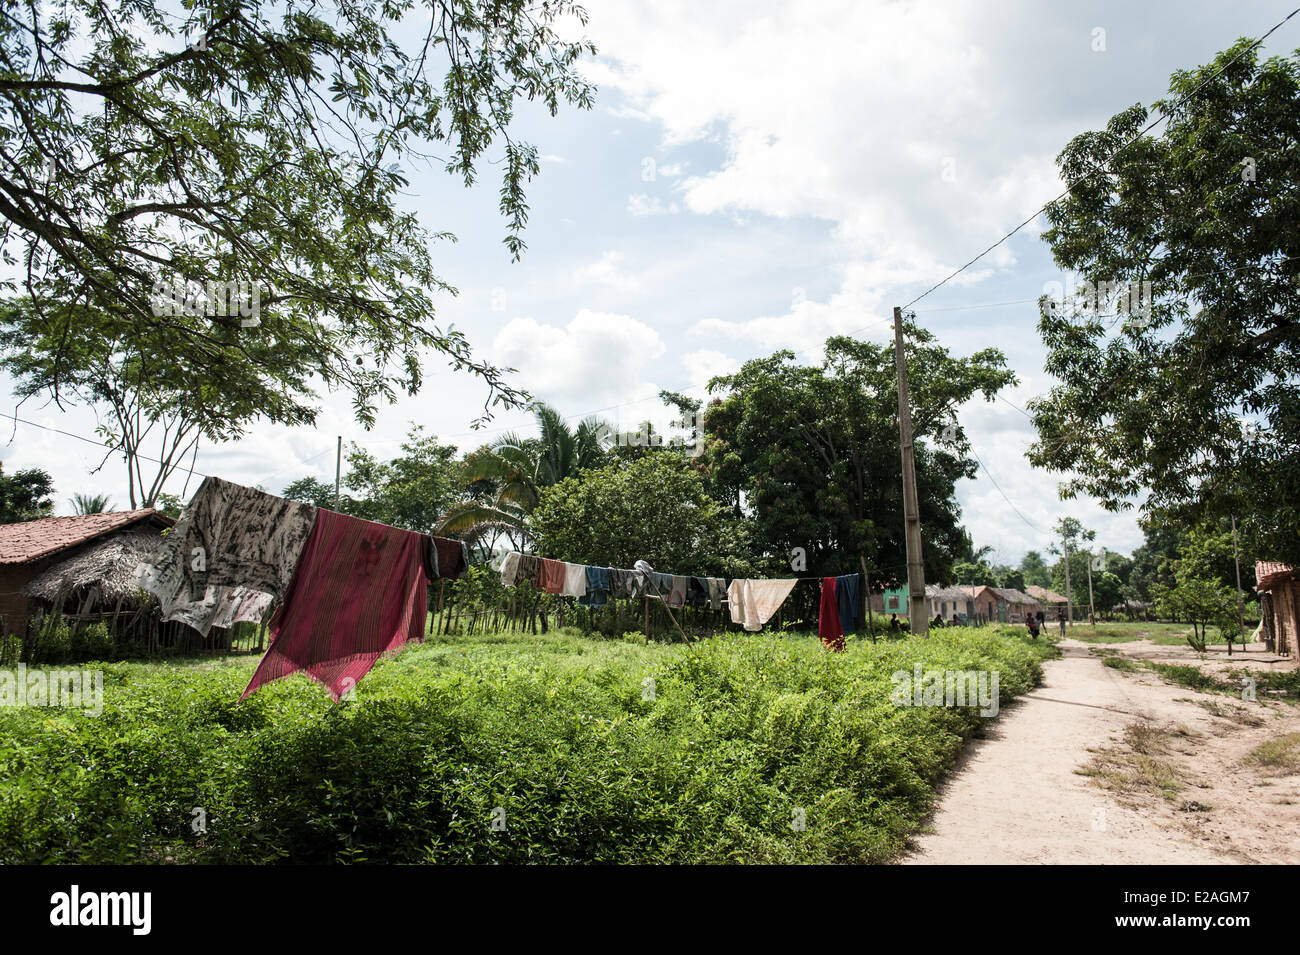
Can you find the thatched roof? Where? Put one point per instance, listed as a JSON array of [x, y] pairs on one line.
[[110, 563]]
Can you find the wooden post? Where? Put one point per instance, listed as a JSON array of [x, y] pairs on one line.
[[1241, 606], [866, 588], [912, 518], [338, 472]]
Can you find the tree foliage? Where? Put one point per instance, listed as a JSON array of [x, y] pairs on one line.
[[1153, 398], [811, 453], [263, 148], [654, 508], [25, 495]]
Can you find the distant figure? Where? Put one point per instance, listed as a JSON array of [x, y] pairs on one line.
[[893, 623], [1033, 626], [956, 621], [937, 621], [1060, 616]]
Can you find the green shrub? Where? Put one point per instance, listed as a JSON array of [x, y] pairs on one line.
[[585, 750]]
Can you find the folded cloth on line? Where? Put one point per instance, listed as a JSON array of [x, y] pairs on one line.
[[846, 597], [575, 580], [444, 557], [510, 568], [753, 602], [229, 536], [697, 592], [530, 569], [598, 586], [677, 594], [828, 619], [551, 578], [359, 591], [717, 591], [625, 583]]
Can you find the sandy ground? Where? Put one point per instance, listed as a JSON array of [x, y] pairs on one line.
[[1018, 795]]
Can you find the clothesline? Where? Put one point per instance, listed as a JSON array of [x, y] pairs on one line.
[[346, 590], [751, 602]]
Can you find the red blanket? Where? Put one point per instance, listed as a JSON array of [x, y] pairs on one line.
[[828, 621], [358, 591]]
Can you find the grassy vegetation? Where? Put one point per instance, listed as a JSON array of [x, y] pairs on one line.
[[585, 750], [1280, 756], [1141, 763], [1163, 634]]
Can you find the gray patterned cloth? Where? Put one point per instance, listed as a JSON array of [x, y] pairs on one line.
[[230, 544]]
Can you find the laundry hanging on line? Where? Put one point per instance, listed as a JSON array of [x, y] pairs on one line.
[[595, 586], [229, 541], [358, 592], [829, 630], [348, 589], [753, 602]]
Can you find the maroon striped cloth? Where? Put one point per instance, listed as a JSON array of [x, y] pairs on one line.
[[358, 591]]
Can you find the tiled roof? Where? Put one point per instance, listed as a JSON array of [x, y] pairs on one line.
[[1267, 571], [31, 540]]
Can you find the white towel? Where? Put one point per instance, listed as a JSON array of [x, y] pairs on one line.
[[753, 602], [575, 580]]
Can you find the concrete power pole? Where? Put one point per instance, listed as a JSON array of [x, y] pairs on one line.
[[338, 472], [1069, 597], [916, 608]]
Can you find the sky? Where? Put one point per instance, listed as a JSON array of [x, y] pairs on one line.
[[755, 176]]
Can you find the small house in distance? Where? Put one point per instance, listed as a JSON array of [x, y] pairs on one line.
[[1049, 599], [71, 555], [1279, 605]]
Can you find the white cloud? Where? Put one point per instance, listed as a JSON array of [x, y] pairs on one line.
[[597, 358], [641, 204], [606, 271], [705, 364]]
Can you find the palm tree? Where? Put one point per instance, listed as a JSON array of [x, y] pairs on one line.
[[82, 504], [512, 472]]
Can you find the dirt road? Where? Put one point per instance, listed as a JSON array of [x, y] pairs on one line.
[[1102, 766]]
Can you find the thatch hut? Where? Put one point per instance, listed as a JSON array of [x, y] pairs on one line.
[[30, 550], [1279, 591], [98, 581]]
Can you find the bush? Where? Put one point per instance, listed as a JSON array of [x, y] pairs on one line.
[[582, 750]]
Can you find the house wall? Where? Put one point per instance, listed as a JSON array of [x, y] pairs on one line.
[[1286, 615], [14, 607]]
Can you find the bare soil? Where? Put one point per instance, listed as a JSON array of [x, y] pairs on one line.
[[1102, 766]]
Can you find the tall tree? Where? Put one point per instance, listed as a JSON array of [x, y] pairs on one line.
[[653, 508], [25, 495], [505, 479], [90, 503], [1035, 570], [1154, 395], [812, 452], [212, 190]]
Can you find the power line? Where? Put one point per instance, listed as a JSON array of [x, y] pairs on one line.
[[98, 444], [1113, 156]]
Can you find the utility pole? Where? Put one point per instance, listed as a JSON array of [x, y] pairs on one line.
[[1241, 606], [1092, 610], [916, 609], [1069, 597], [338, 472]]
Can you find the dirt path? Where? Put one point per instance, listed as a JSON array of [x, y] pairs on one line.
[[1172, 780]]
